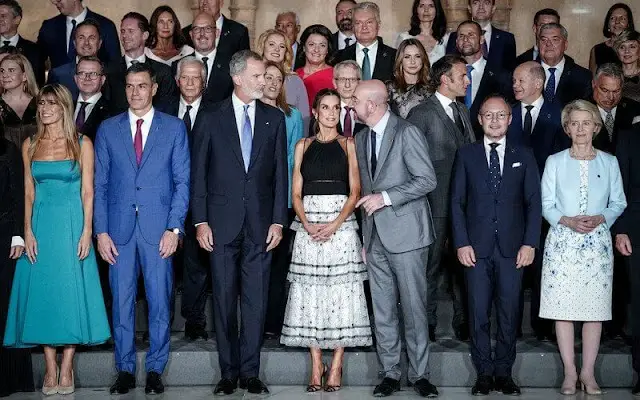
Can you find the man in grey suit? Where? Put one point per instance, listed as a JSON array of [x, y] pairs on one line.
[[396, 175], [447, 127]]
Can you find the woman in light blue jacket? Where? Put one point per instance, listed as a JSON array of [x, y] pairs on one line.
[[582, 196]]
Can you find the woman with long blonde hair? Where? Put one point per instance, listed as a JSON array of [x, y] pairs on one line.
[[18, 100], [56, 300]]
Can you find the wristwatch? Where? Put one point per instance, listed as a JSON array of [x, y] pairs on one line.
[[175, 230]]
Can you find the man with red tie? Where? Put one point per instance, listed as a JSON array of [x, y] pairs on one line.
[[346, 76]]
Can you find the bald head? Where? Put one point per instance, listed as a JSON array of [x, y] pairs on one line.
[[203, 33], [528, 82], [370, 101]]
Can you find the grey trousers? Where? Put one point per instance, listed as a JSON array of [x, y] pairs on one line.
[[393, 275]]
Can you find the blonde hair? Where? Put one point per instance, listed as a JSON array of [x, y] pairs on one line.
[[287, 63], [30, 86], [581, 105], [62, 95]]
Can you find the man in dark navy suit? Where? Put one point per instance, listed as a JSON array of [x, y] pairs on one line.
[[239, 206], [542, 17], [499, 48], [55, 38], [497, 212], [344, 36], [92, 107], [10, 18], [288, 23]]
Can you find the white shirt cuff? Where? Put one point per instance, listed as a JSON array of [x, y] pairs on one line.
[[199, 223], [17, 241], [387, 199]]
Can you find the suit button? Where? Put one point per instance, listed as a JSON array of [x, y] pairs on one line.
[[133, 206], [138, 188], [495, 201], [495, 220]]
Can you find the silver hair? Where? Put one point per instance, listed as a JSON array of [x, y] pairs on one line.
[[289, 13], [239, 60], [347, 64], [368, 6], [611, 70], [554, 25], [581, 105], [191, 60]]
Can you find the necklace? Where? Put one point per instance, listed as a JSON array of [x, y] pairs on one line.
[[590, 156]]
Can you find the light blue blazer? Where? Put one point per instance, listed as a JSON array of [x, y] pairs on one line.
[[561, 188]]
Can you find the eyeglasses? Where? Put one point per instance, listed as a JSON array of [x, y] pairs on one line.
[[500, 116], [92, 76], [352, 81], [206, 29]]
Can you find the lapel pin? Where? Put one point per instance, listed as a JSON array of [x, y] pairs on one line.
[[267, 122]]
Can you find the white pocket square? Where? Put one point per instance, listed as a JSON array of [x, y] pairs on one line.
[[635, 120], [515, 165]]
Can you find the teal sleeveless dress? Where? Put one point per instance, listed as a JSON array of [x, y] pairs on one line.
[[58, 299]]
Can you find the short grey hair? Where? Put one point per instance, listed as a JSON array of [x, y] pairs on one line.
[[368, 6], [611, 70], [554, 25], [239, 60], [581, 105], [191, 60], [347, 64], [282, 14]]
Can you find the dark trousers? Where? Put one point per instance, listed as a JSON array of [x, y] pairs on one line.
[[493, 279], [278, 280], [195, 281], [620, 295], [240, 267], [633, 263]]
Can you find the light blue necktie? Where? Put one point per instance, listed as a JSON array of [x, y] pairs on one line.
[[247, 139], [468, 101], [550, 90], [366, 65]]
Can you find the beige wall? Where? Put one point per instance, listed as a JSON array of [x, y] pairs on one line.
[[583, 18]]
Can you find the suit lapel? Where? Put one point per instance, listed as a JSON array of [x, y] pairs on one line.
[[260, 131], [127, 141], [96, 112], [230, 131], [61, 29], [387, 142], [381, 57], [507, 170], [451, 127], [152, 138], [367, 148]]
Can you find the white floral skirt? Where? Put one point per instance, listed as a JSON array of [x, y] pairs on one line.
[[326, 306]]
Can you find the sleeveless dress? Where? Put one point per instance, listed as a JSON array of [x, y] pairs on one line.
[[57, 300], [577, 269], [326, 306]]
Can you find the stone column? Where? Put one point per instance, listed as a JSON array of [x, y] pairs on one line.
[[457, 12], [244, 11]]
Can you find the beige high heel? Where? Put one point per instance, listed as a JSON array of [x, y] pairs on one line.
[[591, 390], [569, 386], [68, 389], [51, 390]]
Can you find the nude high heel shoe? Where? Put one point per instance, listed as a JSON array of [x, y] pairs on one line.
[[591, 390], [51, 390], [68, 389]]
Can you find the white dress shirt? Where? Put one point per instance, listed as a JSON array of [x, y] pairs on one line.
[[195, 106], [211, 57], [373, 52], [445, 101], [536, 51], [238, 109], [559, 69], [91, 104], [294, 50], [500, 149], [17, 241], [13, 41], [146, 125], [379, 129], [219, 23], [476, 76], [603, 114], [342, 37], [488, 31], [80, 18], [535, 111], [142, 59]]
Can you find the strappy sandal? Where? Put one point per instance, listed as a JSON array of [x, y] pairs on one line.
[[323, 378]]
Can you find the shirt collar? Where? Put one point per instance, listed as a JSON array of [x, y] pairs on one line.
[[603, 112], [444, 100], [558, 66], [342, 37], [210, 55], [195, 104], [382, 124], [237, 103], [488, 141], [219, 22], [81, 17], [372, 47], [13, 41], [479, 65], [91, 100], [140, 59], [536, 104], [148, 117]]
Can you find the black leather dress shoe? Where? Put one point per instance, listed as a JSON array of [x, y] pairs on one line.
[[483, 386], [226, 386], [154, 384], [424, 388], [387, 387], [461, 332], [506, 385], [253, 385], [432, 333], [636, 389], [195, 333], [124, 382]]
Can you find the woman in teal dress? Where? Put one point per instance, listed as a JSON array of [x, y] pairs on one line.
[[56, 299]]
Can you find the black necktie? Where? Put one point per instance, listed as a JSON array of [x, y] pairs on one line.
[[82, 116], [374, 158], [6, 43], [205, 61], [347, 41], [72, 46], [187, 118], [456, 116], [528, 121], [494, 168]]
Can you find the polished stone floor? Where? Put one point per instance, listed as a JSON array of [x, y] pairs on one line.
[[297, 393]]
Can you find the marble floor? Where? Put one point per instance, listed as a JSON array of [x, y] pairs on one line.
[[297, 393]]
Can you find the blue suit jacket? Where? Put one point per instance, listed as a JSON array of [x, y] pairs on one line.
[[154, 194], [52, 39], [515, 212], [222, 193], [63, 75], [502, 49], [547, 136]]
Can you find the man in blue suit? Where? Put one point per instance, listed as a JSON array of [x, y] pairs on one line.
[[499, 48], [496, 212], [141, 200], [239, 206], [55, 37]]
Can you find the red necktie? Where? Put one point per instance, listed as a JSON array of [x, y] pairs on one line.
[[137, 140], [348, 124]]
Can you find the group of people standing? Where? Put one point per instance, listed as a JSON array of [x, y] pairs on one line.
[[361, 174]]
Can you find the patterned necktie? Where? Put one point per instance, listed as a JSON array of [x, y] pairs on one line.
[[485, 50], [528, 121], [348, 123], [247, 139], [137, 141], [494, 168], [347, 41], [82, 115], [609, 122], [374, 157], [72, 46], [366, 65], [550, 90], [456, 116], [187, 118], [468, 101], [205, 61]]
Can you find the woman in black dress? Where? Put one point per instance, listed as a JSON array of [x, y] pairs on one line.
[[17, 103], [618, 18], [15, 364]]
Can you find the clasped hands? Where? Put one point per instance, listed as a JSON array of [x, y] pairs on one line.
[[204, 235], [582, 223], [321, 232], [525, 256]]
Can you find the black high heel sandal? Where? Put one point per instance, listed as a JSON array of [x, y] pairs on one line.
[[323, 378]]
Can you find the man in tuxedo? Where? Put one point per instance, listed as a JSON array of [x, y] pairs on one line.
[[87, 43], [484, 78], [134, 31], [10, 18], [497, 213], [499, 47], [344, 36], [231, 36], [447, 127], [141, 200], [375, 59], [535, 123], [542, 17], [91, 107], [217, 84], [56, 34], [239, 206], [396, 175], [289, 24], [565, 80]]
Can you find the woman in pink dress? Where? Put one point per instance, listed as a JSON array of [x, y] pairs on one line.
[[316, 73]]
